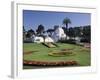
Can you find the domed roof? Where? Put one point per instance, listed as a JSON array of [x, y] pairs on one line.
[[38, 39], [58, 34], [59, 30]]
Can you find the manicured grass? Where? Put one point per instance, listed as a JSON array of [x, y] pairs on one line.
[[40, 53]]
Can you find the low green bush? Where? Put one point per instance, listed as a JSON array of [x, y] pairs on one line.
[[70, 41]]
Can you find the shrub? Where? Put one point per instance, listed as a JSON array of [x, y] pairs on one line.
[[85, 40], [70, 41]]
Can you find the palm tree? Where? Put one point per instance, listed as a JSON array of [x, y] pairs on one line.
[[66, 21]]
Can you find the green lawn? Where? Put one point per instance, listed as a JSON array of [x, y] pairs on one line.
[[40, 53]]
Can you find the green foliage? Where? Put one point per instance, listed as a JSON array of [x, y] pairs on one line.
[[71, 32], [30, 33], [87, 33], [66, 21], [40, 29], [50, 31], [70, 41]]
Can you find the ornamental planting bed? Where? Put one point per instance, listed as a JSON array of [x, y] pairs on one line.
[[53, 63], [60, 53]]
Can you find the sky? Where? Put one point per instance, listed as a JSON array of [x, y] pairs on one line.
[[31, 19]]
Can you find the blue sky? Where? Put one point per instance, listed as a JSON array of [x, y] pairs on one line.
[[31, 19]]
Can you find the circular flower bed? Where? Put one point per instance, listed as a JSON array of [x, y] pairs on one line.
[[60, 53], [45, 63], [66, 49]]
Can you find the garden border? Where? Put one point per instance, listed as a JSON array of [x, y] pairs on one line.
[[51, 63]]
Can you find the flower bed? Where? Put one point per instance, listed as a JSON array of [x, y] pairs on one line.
[[66, 49], [44, 63], [87, 45], [60, 53]]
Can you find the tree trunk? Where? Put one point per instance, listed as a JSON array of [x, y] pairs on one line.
[[66, 26], [66, 29]]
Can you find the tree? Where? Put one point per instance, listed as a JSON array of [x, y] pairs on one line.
[[87, 33], [71, 32], [77, 31], [24, 29], [24, 33], [56, 27], [40, 29], [66, 21], [30, 33], [50, 31], [65, 31]]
